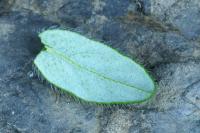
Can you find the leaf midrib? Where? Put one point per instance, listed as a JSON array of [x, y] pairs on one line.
[[68, 59]]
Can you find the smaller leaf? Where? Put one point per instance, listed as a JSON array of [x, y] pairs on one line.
[[91, 70]]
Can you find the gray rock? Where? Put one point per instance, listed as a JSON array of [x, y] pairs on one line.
[[162, 35], [70, 15], [184, 15]]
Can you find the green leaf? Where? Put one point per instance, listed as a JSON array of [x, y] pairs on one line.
[[91, 70]]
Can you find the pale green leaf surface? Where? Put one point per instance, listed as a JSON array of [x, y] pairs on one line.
[[91, 70]]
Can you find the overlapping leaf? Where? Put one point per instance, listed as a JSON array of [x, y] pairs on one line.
[[91, 70]]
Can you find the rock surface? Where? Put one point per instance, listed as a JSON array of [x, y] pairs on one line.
[[162, 35]]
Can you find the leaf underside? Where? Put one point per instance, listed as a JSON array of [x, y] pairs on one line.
[[91, 70]]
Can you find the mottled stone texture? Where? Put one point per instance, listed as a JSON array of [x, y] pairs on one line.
[[163, 35]]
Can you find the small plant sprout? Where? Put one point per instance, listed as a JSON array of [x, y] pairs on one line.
[[91, 70]]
